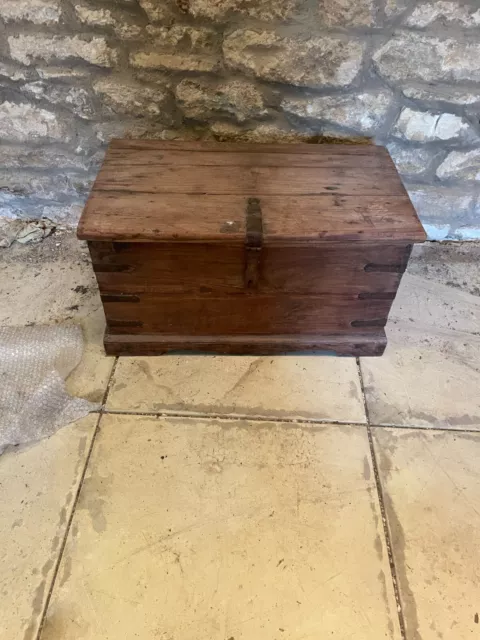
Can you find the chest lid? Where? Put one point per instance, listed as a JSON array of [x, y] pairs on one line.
[[155, 191]]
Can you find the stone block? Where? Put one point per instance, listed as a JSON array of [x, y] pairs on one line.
[[424, 126], [157, 10], [441, 204], [179, 48], [119, 22], [35, 11], [345, 13], [414, 56], [463, 165], [411, 160], [133, 98], [22, 182], [26, 48], [446, 12], [75, 99], [265, 10], [314, 61], [443, 93], [175, 61], [15, 73], [362, 112], [41, 157], [200, 99], [393, 8], [184, 38], [28, 123]]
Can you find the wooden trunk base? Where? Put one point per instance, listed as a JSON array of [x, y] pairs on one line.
[[151, 345]]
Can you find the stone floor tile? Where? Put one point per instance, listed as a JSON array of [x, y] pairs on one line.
[[53, 282], [431, 483], [208, 530], [429, 375], [456, 264], [90, 378], [38, 484], [311, 387]]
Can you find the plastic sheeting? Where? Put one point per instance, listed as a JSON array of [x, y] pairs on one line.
[[34, 364]]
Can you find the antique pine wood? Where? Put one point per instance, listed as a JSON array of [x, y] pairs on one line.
[[247, 248]]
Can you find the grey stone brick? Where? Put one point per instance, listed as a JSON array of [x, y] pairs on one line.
[[424, 126], [26, 123], [264, 10], [36, 11], [412, 56], [463, 165], [345, 13], [362, 112], [26, 48], [237, 98], [313, 61]]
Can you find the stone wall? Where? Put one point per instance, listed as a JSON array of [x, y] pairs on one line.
[[406, 73]]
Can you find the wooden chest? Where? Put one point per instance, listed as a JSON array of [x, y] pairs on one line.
[[247, 248]]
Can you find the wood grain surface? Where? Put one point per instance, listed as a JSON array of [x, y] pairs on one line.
[[154, 191], [372, 344], [212, 269], [116, 156], [255, 180], [234, 315]]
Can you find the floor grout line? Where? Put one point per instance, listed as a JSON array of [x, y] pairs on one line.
[[74, 505], [386, 533], [401, 426], [362, 388], [406, 427], [281, 419], [234, 416], [383, 512]]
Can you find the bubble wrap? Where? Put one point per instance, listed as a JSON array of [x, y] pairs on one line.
[[34, 364]]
